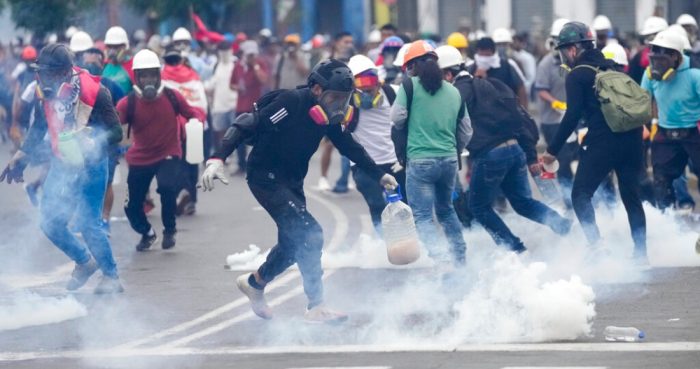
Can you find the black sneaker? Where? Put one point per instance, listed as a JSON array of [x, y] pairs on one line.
[[168, 240], [147, 240]]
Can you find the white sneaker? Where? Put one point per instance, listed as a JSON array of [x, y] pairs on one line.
[[323, 184], [256, 297], [321, 314]]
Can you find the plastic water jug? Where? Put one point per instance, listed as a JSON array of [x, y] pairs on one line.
[[547, 183], [69, 147], [399, 230], [194, 130]]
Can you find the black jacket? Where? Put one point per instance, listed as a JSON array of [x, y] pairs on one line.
[[287, 138], [484, 138], [582, 103]]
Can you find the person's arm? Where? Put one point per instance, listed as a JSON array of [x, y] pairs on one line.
[[104, 116], [349, 148], [574, 111], [233, 83], [260, 70], [37, 130], [464, 129], [399, 113]]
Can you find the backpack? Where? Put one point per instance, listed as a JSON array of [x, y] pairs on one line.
[[494, 106], [131, 107], [247, 123], [625, 104], [400, 136]]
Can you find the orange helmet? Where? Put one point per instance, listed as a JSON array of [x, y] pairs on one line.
[[29, 53], [418, 49]]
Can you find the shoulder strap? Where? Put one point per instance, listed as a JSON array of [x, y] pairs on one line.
[[390, 93], [130, 111], [588, 67], [408, 89], [170, 94]]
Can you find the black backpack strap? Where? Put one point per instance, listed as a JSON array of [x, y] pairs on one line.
[[170, 94], [130, 111], [390, 94], [408, 88]]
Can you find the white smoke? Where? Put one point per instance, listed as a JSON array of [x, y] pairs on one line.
[[26, 309]]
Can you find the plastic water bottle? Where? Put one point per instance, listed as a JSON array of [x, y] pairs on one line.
[[399, 231], [194, 130], [623, 334], [547, 183]]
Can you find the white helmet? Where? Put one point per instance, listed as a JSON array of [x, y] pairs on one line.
[[375, 36], [448, 56], [80, 41], [686, 20], [678, 29], [116, 36], [557, 25], [182, 34], [360, 63], [398, 62], [502, 35], [616, 53], [653, 25], [146, 59], [601, 23], [670, 39], [70, 32]]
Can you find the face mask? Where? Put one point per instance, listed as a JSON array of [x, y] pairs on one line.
[[333, 108], [660, 67], [367, 100], [53, 86], [115, 56], [94, 68], [487, 62], [566, 62]]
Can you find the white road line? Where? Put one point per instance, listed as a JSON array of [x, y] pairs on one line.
[[555, 367], [342, 367], [288, 277], [339, 235], [358, 349]]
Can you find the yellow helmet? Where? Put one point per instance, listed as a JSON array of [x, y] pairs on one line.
[[458, 40]]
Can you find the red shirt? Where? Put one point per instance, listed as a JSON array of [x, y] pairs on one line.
[[155, 131], [250, 88]]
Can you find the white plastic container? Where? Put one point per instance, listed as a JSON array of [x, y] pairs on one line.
[[399, 230], [194, 130], [623, 334]]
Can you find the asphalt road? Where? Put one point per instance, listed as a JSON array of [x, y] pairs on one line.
[[181, 308]]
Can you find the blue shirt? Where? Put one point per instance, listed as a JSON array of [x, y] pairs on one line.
[[677, 99]]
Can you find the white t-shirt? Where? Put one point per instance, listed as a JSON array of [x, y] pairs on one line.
[[373, 132], [224, 99]]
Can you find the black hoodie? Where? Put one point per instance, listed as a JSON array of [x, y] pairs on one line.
[[582, 103]]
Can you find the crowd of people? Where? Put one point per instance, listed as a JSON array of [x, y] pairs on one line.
[[405, 114]]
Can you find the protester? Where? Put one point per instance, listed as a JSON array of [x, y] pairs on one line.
[[292, 65], [488, 63], [118, 67]]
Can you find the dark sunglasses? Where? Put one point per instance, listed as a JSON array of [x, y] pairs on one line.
[[661, 50]]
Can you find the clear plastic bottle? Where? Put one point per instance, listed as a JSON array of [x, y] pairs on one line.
[[399, 231], [547, 183], [623, 334]]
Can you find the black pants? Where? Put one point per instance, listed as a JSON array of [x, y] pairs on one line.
[[624, 155], [189, 178], [373, 193], [139, 180], [669, 158], [299, 236]]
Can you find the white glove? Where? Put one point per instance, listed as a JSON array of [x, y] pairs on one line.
[[389, 182], [214, 171], [397, 167]]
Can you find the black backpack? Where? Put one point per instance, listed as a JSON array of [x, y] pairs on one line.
[[494, 106], [131, 107]]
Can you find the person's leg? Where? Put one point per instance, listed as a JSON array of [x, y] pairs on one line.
[[167, 176], [594, 165], [341, 185], [420, 187], [627, 171], [669, 159], [487, 174], [138, 182], [445, 212], [109, 193], [56, 210], [683, 197], [372, 193], [92, 189], [516, 187]]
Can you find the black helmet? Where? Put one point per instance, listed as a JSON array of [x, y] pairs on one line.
[[54, 56], [574, 33], [333, 75]]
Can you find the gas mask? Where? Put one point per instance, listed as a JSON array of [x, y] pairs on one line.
[[94, 68], [333, 108], [116, 55], [54, 83], [148, 84], [183, 47], [567, 61], [661, 65], [367, 100]]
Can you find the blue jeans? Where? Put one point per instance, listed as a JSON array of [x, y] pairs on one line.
[[680, 186], [505, 168], [342, 182], [77, 195], [429, 185]]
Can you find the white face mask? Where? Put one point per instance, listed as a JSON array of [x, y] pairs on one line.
[[487, 62]]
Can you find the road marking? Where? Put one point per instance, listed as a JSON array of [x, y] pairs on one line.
[[555, 367], [339, 235], [356, 349], [59, 274], [343, 367]]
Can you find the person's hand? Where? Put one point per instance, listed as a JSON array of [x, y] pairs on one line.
[[559, 105], [548, 158], [535, 169], [396, 167], [15, 169], [214, 171], [389, 182]]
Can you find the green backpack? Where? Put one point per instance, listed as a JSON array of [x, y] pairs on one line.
[[624, 103]]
